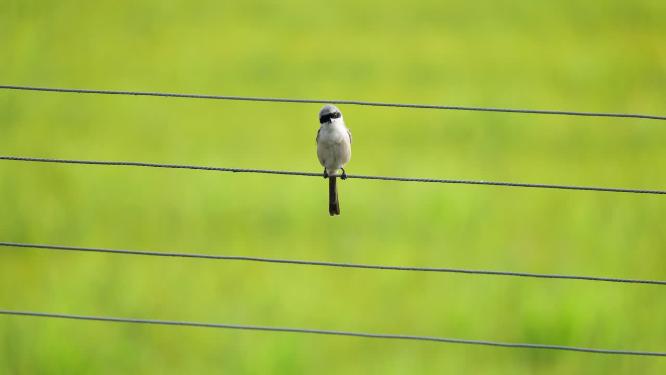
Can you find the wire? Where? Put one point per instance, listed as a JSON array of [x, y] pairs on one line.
[[312, 174], [330, 332], [331, 264], [323, 101]]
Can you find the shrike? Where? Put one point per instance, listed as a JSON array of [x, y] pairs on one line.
[[333, 150]]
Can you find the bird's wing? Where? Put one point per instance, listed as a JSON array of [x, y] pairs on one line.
[[317, 139], [350, 137]]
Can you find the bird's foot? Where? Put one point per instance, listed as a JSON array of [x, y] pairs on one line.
[[344, 174], [325, 173]]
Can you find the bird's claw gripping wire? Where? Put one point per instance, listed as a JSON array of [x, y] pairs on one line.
[[342, 176]]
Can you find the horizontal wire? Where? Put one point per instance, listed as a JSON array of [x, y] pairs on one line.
[[328, 101], [332, 264], [331, 332], [351, 176]]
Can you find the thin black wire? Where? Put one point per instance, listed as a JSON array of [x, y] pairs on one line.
[[331, 264], [331, 332], [323, 101], [352, 176]]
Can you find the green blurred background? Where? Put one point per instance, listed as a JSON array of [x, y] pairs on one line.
[[590, 56]]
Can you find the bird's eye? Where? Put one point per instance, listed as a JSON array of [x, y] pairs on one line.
[[328, 117]]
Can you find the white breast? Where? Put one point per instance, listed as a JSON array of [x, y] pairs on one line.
[[333, 146]]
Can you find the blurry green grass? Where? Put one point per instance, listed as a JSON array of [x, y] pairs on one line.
[[567, 55]]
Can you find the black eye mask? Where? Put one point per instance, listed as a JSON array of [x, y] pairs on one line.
[[328, 117]]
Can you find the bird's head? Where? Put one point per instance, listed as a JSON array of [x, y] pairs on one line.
[[329, 114]]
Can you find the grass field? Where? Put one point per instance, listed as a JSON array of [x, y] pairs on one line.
[[589, 56]]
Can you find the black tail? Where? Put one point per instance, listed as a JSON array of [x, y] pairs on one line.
[[333, 204]]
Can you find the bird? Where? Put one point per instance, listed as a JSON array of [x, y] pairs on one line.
[[333, 150]]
